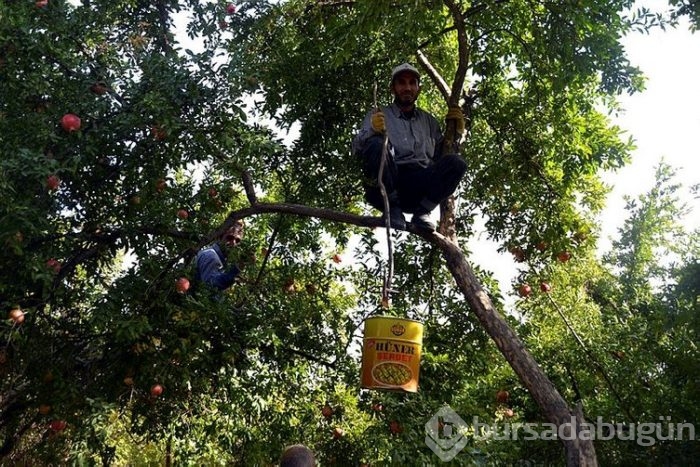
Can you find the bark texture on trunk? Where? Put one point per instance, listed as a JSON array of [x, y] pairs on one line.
[[578, 452]]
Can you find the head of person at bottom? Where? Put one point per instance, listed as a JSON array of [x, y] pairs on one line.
[[297, 455]]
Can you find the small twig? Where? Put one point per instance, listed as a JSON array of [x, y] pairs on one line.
[[309, 356], [270, 244], [592, 357], [574, 383]]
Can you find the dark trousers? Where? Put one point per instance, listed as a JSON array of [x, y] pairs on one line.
[[408, 185]]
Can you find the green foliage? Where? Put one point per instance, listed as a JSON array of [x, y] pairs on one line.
[[689, 8], [167, 125], [624, 330]]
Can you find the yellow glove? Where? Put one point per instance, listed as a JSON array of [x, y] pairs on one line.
[[455, 113], [378, 123]]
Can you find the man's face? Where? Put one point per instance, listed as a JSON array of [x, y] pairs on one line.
[[406, 89], [234, 235]]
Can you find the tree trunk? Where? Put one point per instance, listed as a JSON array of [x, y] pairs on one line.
[[579, 452]]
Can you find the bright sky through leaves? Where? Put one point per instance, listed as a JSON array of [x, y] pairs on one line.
[[663, 120]]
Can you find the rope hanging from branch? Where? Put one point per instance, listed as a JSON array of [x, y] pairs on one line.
[[389, 271]]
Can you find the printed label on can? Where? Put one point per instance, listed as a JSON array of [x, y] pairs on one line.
[[389, 363]]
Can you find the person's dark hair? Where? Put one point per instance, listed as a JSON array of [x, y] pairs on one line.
[[297, 455], [235, 231]]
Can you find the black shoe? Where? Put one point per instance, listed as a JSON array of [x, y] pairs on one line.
[[422, 220], [396, 219]]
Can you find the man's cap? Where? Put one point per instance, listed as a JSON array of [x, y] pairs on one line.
[[405, 67]]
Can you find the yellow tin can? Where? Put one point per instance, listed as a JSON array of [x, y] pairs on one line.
[[391, 351]]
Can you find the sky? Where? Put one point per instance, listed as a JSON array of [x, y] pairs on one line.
[[663, 121]]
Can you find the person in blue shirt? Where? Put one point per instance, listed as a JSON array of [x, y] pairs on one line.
[[211, 262], [418, 177]]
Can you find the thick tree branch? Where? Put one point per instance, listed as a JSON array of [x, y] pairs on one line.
[[434, 75], [305, 211], [249, 187], [554, 407], [463, 56]]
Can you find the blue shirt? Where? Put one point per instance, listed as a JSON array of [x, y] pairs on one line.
[[210, 265]]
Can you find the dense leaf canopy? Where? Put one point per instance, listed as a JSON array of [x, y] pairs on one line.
[[97, 223]]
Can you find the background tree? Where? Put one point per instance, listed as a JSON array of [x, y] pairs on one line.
[[99, 220], [612, 332]]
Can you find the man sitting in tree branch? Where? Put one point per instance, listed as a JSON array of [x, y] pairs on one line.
[[211, 261], [417, 177]]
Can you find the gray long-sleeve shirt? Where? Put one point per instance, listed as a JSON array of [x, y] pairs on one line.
[[416, 139]]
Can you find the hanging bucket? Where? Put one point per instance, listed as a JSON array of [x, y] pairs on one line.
[[391, 351]]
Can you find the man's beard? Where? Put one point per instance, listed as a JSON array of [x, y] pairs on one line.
[[406, 100]]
